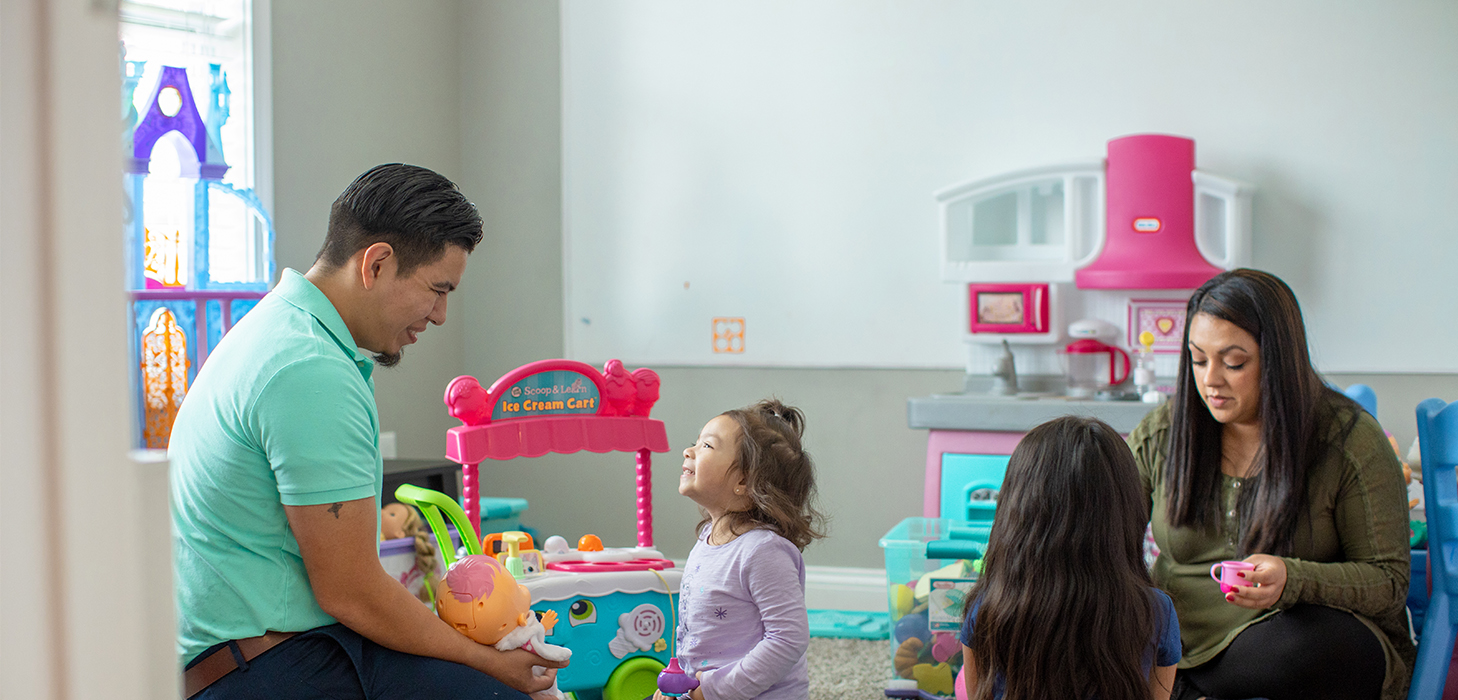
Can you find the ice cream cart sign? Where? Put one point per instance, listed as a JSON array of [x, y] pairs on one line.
[[555, 392]]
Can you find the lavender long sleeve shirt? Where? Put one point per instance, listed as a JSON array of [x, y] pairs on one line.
[[741, 618]]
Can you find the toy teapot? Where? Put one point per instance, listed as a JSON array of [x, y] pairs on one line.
[[674, 683]]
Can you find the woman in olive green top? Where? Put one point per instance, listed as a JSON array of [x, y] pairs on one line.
[[1256, 459]]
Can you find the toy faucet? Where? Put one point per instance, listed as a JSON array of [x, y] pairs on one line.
[[673, 682], [1005, 373], [513, 542]]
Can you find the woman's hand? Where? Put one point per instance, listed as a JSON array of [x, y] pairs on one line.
[[1267, 582]]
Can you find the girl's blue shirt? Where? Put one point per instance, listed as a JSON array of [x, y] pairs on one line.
[[1163, 650]]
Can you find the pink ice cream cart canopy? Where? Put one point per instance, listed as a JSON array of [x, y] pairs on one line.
[[560, 406]]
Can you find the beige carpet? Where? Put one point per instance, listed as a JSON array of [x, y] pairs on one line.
[[849, 669]]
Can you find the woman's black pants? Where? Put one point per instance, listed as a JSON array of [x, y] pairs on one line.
[[1306, 651]]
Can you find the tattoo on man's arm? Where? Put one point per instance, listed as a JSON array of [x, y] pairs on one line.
[[335, 509]]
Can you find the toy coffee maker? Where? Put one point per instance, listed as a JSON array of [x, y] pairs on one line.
[[1091, 365]]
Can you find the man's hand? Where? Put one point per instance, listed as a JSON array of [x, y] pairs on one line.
[[1267, 582], [514, 668], [340, 546]]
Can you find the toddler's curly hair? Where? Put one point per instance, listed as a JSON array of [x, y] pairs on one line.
[[778, 473]]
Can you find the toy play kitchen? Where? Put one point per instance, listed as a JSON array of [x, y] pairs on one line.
[[1115, 245]]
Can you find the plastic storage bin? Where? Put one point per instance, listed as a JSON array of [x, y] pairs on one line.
[[919, 551], [501, 514]]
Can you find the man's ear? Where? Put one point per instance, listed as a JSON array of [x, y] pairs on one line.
[[374, 262]]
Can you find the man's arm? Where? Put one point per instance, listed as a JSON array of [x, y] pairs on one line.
[[340, 550]]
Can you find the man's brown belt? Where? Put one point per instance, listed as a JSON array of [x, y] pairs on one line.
[[221, 662]]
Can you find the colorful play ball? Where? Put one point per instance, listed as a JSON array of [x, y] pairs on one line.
[[589, 543], [912, 625]]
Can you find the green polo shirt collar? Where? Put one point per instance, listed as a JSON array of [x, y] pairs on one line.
[[299, 291]]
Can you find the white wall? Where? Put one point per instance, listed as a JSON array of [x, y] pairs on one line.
[[783, 156]]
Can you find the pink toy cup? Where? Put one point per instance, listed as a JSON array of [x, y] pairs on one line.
[[1229, 578]]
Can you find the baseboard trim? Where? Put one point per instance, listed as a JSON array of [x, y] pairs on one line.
[[841, 588], [845, 588]]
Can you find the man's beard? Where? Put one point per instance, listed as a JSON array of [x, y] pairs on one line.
[[390, 359]]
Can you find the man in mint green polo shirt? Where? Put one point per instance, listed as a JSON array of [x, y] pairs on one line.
[[276, 472]]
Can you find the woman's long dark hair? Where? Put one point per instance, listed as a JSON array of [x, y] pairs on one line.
[[1065, 607], [1291, 395]]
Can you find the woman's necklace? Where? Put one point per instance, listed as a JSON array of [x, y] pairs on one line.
[[1239, 446], [1237, 460], [1232, 465]]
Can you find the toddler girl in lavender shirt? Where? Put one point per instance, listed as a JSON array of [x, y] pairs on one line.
[[742, 628]]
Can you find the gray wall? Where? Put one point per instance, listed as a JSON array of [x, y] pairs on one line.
[[511, 159], [473, 89], [356, 84]]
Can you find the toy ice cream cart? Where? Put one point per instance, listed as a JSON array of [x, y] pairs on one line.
[[615, 606]]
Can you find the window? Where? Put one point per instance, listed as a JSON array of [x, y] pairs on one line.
[[199, 241]]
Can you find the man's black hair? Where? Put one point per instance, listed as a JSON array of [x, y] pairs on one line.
[[415, 210]]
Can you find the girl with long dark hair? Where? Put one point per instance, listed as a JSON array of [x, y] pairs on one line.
[[1256, 459], [1064, 607]]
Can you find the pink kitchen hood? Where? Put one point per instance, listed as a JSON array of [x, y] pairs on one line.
[[1144, 218], [1149, 235]]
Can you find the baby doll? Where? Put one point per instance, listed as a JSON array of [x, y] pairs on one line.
[[483, 601], [398, 520]]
